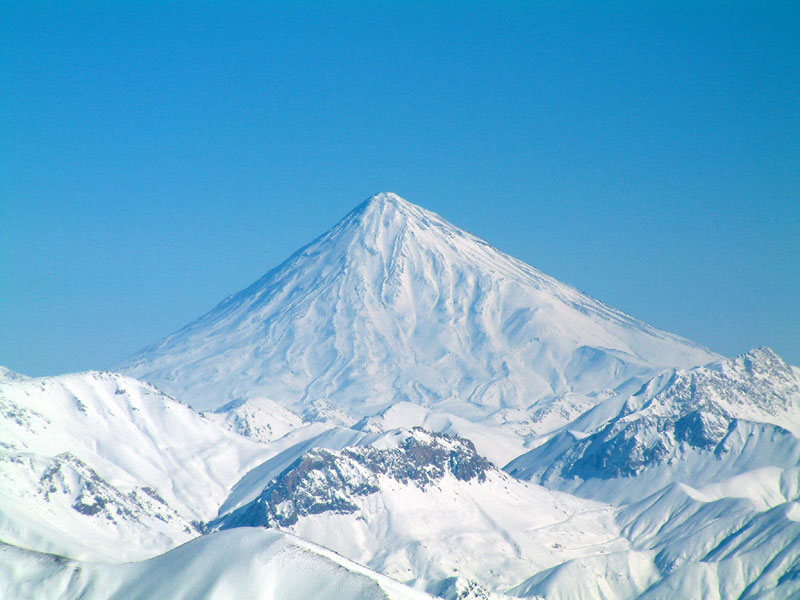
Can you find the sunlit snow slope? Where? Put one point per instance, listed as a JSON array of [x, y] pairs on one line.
[[100, 466], [396, 304], [698, 427], [252, 564]]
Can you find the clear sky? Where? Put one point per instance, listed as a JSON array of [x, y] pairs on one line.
[[154, 160]]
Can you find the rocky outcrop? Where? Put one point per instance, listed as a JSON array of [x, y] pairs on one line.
[[330, 481]]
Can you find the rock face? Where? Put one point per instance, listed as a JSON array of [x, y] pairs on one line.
[[325, 480], [423, 459], [395, 304], [90, 495]]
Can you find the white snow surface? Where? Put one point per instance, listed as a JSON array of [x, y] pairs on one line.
[[705, 466], [394, 511], [495, 533], [497, 444], [261, 419], [686, 546], [394, 304], [248, 563]]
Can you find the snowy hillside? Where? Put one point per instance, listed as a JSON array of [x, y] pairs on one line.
[[395, 304], [426, 509], [103, 467], [258, 418], [705, 466], [245, 563], [686, 545]]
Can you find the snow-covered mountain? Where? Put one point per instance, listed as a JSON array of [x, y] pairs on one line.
[[705, 467], [685, 544], [257, 418], [699, 427], [395, 304], [342, 422]]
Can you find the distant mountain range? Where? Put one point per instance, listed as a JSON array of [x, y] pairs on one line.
[[400, 410]]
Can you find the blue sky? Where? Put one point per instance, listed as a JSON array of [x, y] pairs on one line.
[[156, 159]]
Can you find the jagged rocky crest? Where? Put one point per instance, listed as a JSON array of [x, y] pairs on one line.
[[703, 409], [325, 480], [97, 458]]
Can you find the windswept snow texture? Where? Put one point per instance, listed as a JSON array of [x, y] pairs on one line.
[[252, 564], [396, 304], [257, 418], [686, 546]]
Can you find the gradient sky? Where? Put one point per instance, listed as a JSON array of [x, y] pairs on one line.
[[154, 160]]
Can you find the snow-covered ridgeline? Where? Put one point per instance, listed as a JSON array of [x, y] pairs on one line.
[[104, 467]]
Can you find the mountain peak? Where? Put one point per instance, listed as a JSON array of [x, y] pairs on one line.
[[385, 210], [396, 304], [386, 198], [381, 202]]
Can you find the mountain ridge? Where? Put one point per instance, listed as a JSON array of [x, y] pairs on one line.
[[701, 426]]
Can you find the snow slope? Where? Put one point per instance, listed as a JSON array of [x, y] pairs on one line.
[[705, 466], [395, 304], [245, 563], [689, 547], [259, 418], [100, 466]]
